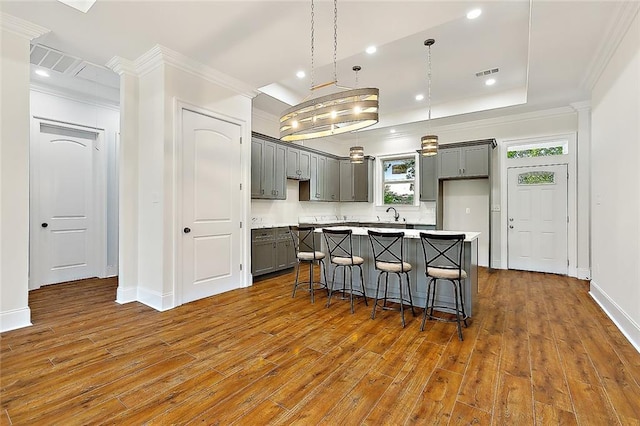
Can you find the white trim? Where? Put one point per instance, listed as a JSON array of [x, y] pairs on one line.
[[75, 96], [159, 302], [14, 319], [20, 27], [629, 328], [159, 55], [126, 295], [572, 188], [609, 41], [122, 66]]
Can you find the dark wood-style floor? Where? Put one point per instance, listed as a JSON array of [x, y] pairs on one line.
[[539, 351]]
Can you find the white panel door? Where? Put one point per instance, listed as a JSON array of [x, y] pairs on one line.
[[66, 230], [537, 218], [210, 206]]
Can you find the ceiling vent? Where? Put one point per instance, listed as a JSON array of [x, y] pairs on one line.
[[487, 72], [52, 59]]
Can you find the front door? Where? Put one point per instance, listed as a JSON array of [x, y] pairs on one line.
[[63, 235], [537, 218], [211, 200]]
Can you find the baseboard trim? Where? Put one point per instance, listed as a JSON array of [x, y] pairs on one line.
[[14, 319], [159, 302], [625, 324], [126, 295]]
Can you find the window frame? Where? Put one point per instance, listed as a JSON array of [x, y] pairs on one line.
[[380, 181]]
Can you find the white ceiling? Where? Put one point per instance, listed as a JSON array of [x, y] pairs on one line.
[[546, 50]]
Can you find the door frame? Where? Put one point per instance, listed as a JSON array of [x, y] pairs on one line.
[[245, 205], [98, 253], [572, 190]]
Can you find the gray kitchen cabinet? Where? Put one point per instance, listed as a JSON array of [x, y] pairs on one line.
[[356, 181], [268, 162], [298, 162], [285, 253], [332, 180], [313, 189], [464, 162], [428, 178], [271, 250]]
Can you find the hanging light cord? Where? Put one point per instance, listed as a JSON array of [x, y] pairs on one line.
[[335, 40], [312, 43], [429, 90]]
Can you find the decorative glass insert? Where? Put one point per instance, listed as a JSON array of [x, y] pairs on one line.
[[544, 149], [399, 180], [537, 178]]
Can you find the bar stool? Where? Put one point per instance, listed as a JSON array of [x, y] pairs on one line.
[[443, 256], [388, 253], [340, 246], [304, 244]]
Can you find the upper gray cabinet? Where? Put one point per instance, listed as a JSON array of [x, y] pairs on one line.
[[464, 162], [356, 181], [268, 163], [429, 178], [298, 163], [332, 180]]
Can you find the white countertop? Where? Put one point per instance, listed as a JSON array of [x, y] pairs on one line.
[[408, 233], [272, 225]]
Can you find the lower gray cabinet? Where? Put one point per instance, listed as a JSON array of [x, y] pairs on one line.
[[271, 250]]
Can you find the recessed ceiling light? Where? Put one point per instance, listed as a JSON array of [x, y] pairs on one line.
[[301, 74], [81, 5], [419, 97], [371, 50], [490, 81], [42, 73], [392, 131], [473, 14]]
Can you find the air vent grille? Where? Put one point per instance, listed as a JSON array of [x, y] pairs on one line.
[[52, 59], [487, 72]]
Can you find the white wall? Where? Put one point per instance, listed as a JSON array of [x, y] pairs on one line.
[[154, 87], [82, 113], [615, 195], [14, 181]]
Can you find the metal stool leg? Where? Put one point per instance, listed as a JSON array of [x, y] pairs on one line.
[[295, 284]]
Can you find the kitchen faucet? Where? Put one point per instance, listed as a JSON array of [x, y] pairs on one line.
[[396, 215]]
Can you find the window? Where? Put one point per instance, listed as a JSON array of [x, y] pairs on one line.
[[536, 178], [398, 181], [538, 150]]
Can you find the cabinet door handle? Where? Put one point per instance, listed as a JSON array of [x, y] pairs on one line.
[[186, 230], [262, 191]]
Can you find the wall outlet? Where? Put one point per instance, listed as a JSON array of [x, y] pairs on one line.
[[467, 210]]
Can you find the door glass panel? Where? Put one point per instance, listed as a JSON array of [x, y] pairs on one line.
[[537, 178]]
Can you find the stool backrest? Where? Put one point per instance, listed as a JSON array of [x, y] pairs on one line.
[[444, 251], [303, 239], [339, 242], [387, 247]]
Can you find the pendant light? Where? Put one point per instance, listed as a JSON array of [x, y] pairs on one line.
[[429, 143], [356, 153], [333, 114]]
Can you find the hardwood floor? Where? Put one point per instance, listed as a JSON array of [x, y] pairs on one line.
[[539, 351]]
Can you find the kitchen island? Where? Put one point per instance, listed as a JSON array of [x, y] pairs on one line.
[[414, 255]]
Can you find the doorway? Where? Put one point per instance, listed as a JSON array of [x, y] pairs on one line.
[[537, 210], [211, 199], [67, 198]]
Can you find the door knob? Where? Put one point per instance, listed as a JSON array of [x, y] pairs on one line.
[[44, 225], [187, 230]]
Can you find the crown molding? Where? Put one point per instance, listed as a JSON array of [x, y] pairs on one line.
[[264, 115], [160, 55], [487, 122], [74, 96], [581, 106], [122, 66], [614, 34], [20, 27]]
